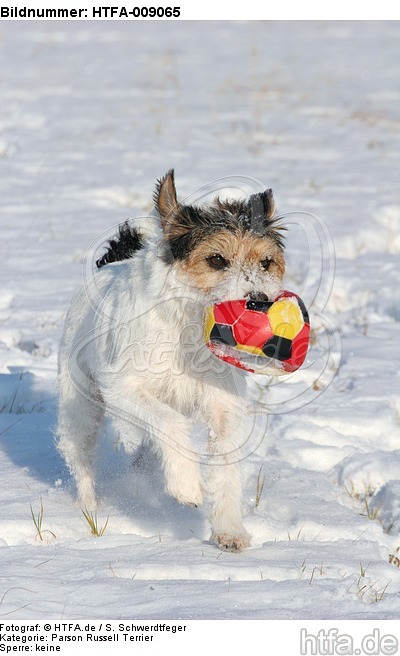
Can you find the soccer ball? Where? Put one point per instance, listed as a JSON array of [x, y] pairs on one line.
[[258, 336]]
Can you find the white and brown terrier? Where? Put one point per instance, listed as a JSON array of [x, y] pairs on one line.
[[133, 348]]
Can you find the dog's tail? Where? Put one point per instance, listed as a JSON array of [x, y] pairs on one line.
[[127, 242]]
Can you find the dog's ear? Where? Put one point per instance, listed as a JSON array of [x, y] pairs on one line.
[[263, 205], [165, 199], [268, 201], [262, 209]]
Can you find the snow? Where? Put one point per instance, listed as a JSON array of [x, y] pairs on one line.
[[91, 114]]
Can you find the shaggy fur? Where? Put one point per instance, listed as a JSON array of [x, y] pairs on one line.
[[133, 347]]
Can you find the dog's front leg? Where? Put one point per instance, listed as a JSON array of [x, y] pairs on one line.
[[169, 433], [224, 480]]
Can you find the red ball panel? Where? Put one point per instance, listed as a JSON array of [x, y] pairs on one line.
[[299, 349], [229, 312], [253, 329], [285, 294]]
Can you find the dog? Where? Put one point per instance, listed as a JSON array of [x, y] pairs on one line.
[[133, 349]]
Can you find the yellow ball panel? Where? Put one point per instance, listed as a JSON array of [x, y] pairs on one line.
[[209, 322], [286, 319]]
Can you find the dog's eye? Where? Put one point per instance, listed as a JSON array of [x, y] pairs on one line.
[[265, 264], [217, 262]]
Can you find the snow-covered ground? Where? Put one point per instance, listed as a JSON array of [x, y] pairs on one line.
[[90, 115]]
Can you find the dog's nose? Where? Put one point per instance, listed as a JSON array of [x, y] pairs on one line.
[[258, 297]]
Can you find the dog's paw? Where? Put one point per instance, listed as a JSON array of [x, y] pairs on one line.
[[194, 498], [190, 494], [183, 481], [229, 542]]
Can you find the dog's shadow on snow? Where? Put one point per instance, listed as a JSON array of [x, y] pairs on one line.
[[132, 484], [28, 408]]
